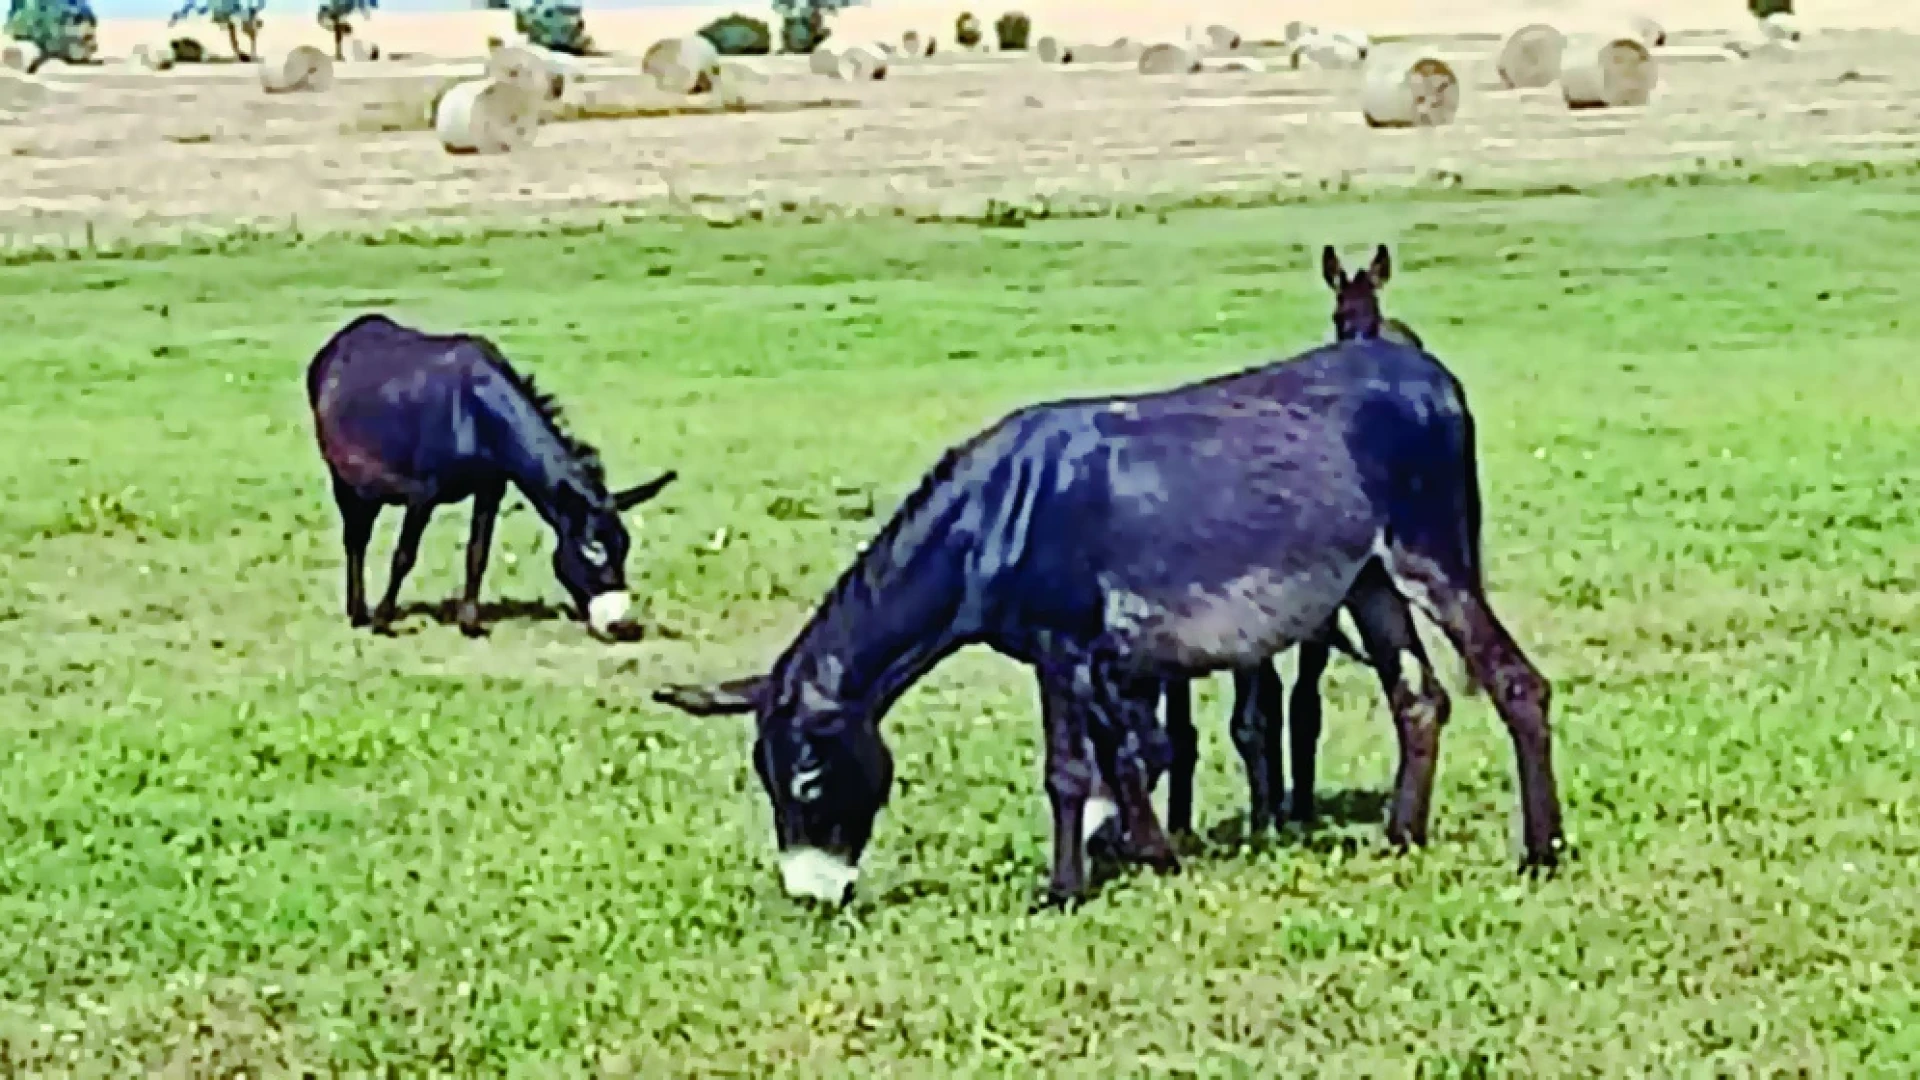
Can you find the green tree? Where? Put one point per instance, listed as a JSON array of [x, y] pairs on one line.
[[337, 16], [236, 17], [803, 23], [57, 29], [557, 25]]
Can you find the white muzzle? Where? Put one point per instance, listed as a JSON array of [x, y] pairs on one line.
[[605, 610], [812, 874]]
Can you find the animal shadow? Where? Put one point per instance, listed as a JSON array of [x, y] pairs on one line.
[[447, 612], [1335, 813]]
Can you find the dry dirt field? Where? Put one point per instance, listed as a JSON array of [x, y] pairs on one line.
[[128, 154]]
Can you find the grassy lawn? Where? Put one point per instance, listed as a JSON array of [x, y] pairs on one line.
[[236, 834]]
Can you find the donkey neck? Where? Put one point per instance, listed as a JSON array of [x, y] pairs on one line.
[[524, 444], [892, 616]]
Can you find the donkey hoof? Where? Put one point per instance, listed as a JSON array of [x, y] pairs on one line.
[[472, 629], [359, 620], [1059, 899], [1542, 863]]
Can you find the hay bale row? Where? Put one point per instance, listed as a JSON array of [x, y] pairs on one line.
[[302, 69], [487, 116]]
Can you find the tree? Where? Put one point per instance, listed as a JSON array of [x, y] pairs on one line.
[[57, 29], [236, 17], [803, 23], [556, 25], [337, 16]]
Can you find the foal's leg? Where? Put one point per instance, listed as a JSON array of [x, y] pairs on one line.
[[1249, 726], [1186, 755], [357, 516], [1069, 780], [1453, 600], [486, 508], [1420, 706], [1303, 727], [404, 554]]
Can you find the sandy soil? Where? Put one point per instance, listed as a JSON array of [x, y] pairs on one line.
[[127, 153]]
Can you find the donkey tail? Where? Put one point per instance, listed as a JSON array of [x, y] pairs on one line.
[[1470, 526]]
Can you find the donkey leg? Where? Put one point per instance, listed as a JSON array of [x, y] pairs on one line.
[[486, 509], [1520, 693], [1069, 778], [357, 516], [404, 554], [1186, 755], [1303, 727], [1270, 697], [1131, 751], [1249, 728], [1420, 706]]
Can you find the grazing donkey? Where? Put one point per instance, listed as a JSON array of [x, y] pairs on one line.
[[1113, 543], [1259, 712], [418, 420]]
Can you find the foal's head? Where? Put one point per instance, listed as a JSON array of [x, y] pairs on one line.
[[1356, 299]]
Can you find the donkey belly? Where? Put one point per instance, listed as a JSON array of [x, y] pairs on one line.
[[1231, 623]]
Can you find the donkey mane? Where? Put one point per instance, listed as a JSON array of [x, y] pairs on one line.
[[585, 456]]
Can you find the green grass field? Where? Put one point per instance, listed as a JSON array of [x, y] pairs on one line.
[[237, 835]]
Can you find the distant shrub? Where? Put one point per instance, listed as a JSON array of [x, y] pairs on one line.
[[556, 25], [739, 35], [1011, 30], [966, 30], [57, 29], [188, 50], [1763, 8]]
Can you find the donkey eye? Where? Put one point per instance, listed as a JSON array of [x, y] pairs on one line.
[[594, 552]]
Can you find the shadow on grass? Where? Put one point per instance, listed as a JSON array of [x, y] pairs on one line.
[[447, 612]]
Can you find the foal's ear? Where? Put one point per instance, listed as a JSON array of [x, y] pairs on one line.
[[1330, 269], [639, 493], [1381, 268], [721, 699]]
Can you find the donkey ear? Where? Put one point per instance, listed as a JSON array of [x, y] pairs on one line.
[[1381, 268], [721, 699], [1330, 269], [639, 493]]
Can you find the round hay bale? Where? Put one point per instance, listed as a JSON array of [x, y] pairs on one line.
[[824, 62], [1530, 57], [1607, 72], [13, 58], [1222, 38], [302, 68], [1780, 26], [486, 117], [913, 44], [685, 65], [362, 52], [1326, 52], [1050, 50], [152, 57], [860, 65], [1169, 60], [1296, 31], [529, 69], [1409, 87], [1650, 33]]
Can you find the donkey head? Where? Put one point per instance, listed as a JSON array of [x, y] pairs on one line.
[[590, 548], [825, 770], [1356, 299]]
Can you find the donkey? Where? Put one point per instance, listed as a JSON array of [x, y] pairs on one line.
[[419, 420], [1259, 712], [1114, 543]]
